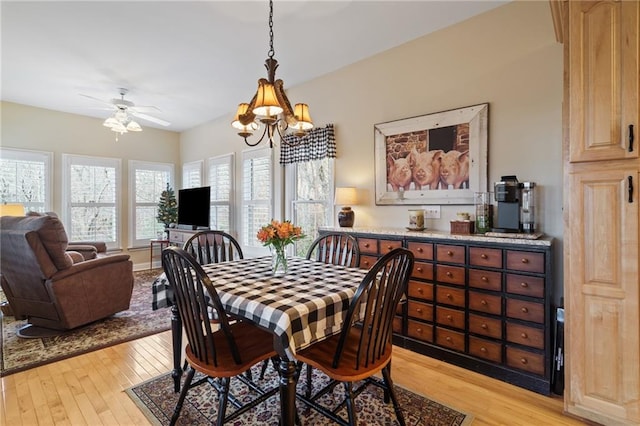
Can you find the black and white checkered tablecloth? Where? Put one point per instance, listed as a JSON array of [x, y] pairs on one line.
[[304, 306]]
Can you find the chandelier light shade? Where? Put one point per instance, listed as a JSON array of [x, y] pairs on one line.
[[271, 107]]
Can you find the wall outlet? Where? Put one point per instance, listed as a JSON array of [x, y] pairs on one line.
[[432, 212]]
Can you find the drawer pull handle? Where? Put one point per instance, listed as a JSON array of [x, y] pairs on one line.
[[448, 339], [419, 269], [420, 290], [366, 262], [484, 256], [483, 278], [449, 317], [389, 247], [523, 360], [449, 296], [525, 260], [449, 274], [524, 285], [449, 253], [484, 326], [418, 330], [523, 335], [524, 310], [420, 250], [366, 245], [483, 349], [419, 310], [483, 302]]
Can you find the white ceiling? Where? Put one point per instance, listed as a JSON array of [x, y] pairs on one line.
[[194, 60]]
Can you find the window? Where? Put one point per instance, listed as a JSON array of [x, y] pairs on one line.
[[146, 183], [310, 193], [25, 178], [192, 174], [256, 194], [220, 179], [91, 198]]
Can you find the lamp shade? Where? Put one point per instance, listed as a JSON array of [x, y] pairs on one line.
[[266, 101], [301, 112], [14, 209], [346, 196]]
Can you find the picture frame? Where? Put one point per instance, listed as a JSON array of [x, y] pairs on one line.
[[438, 158]]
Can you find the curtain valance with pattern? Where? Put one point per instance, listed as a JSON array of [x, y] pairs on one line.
[[317, 144]]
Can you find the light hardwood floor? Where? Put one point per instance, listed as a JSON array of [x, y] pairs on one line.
[[89, 389]]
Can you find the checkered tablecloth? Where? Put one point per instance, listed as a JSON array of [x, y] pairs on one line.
[[301, 307]]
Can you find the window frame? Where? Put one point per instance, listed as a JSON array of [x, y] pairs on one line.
[[250, 154], [221, 160], [190, 167], [45, 157], [72, 159], [135, 165]]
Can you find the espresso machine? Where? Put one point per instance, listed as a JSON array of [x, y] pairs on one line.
[[516, 205]]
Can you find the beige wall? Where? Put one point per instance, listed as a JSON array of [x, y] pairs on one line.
[[507, 57], [39, 129]]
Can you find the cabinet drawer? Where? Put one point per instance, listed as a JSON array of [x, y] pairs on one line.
[[447, 253], [528, 311], [385, 246], [488, 280], [525, 360], [397, 325], [486, 349], [176, 238], [450, 274], [527, 286], [420, 331], [366, 262], [423, 251], [419, 310], [450, 317], [420, 290], [487, 303], [450, 296], [523, 335], [368, 245], [480, 256], [491, 327], [525, 261], [422, 270], [450, 339]]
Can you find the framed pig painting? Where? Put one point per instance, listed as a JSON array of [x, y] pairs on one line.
[[438, 158]]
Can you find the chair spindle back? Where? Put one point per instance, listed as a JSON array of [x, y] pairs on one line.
[[213, 247], [336, 248]]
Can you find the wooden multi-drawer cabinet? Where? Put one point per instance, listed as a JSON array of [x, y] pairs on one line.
[[478, 302]]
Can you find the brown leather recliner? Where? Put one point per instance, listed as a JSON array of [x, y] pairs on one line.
[[43, 284]]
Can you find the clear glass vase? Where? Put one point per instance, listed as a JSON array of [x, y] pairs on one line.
[[279, 265]]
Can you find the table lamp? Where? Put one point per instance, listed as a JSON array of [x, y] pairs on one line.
[[11, 209], [345, 197]]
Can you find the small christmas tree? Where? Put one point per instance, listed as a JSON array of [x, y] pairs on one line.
[[167, 207]]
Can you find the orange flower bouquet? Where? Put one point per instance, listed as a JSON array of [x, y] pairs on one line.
[[278, 235]]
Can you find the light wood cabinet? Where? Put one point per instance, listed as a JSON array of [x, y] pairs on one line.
[[603, 74], [601, 215]]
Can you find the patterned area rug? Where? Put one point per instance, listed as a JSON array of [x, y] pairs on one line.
[[140, 320], [157, 400]]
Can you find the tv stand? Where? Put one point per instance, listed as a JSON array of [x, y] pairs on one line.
[[178, 236]]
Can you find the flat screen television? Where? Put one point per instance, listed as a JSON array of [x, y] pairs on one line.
[[193, 207]]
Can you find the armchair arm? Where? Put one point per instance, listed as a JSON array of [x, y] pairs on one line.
[[100, 246], [87, 251], [88, 265]]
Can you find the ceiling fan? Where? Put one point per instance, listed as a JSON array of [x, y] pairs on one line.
[[123, 113]]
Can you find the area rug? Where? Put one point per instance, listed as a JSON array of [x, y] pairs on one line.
[[138, 321], [157, 400]]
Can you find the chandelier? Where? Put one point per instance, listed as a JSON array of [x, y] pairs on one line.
[[121, 122], [271, 107]]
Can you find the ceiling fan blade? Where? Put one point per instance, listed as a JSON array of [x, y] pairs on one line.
[[150, 118], [145, 108], [97, 99]]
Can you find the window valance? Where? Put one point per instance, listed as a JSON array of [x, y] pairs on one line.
[[317, 144]]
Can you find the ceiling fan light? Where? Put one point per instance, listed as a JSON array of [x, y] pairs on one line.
[[267, 104], [301, 113], [133, 127], [110, 122], [119, 128]]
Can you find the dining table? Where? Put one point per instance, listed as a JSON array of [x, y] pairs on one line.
[[301, 307]]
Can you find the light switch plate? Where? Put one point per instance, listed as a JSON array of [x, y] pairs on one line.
[[432, 212]]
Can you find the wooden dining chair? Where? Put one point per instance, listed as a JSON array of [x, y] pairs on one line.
[[363, 348], [213, 246], [224, 353], [335, 248]]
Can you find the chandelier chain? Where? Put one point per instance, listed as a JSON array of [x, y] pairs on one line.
[[271, 51]]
